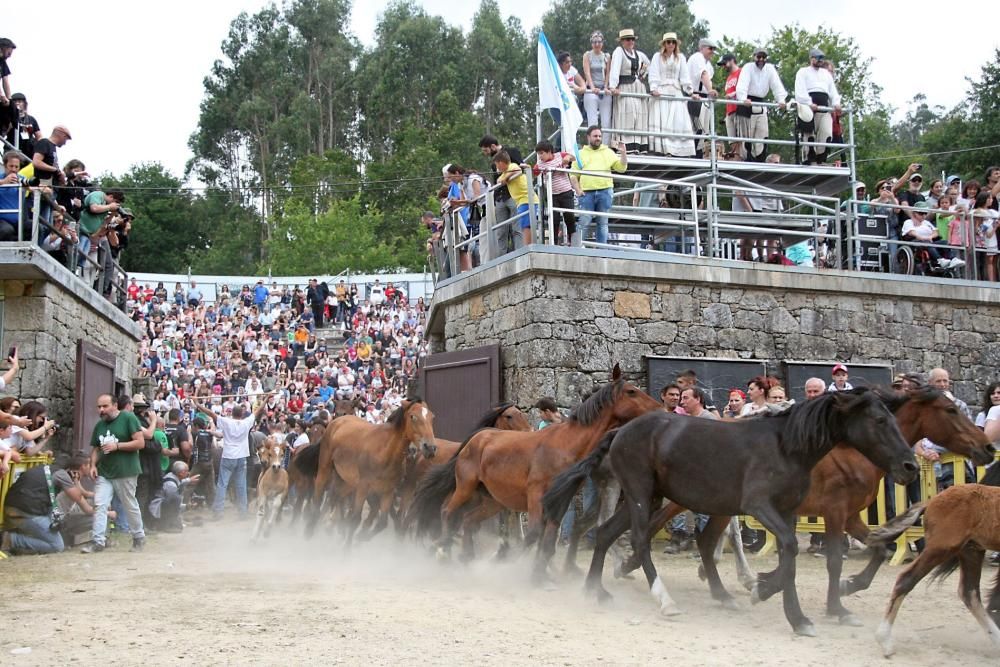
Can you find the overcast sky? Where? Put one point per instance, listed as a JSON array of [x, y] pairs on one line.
[[126, 76]]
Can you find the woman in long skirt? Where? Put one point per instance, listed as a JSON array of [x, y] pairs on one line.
[[630, 116], [669, 77]]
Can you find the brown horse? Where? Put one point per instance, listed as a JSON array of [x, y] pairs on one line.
[[844, 483], [272, 486], [494, 470], [960, 523], [505, 417], [361, 460]]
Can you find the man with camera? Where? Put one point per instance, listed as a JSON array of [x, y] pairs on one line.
[[32, 517], [96, 207]]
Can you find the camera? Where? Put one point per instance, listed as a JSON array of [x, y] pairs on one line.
[[919, 166], [57, 520]]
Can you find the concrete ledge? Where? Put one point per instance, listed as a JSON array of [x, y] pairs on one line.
[[26, 261], [663, 267]]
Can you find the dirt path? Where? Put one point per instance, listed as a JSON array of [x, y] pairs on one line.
[[208, 597]]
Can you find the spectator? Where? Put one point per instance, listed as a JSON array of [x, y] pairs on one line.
[[919, 228], [512, 176], [235, 451], [317, 301], [167, 506], [839, 382], [754, 83], [11, 197], [574, 81], [45, 159], [814, 388], [96, 207], [815, 93], [737, 399], [29, 515], [114, 464], [732, 69], [988, 418], [595, 192], [693, 402], [194, 296], [6, 51], [460, 205], [700, 72], [33, 439], [597, 100], [548, 411], [757, 393], [986, 223], [550, 162], [669, 77], [505, 206], [27, 131], [911, 196], [630, 114]]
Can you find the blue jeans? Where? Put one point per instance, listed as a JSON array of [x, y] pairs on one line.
[[679, 522], [589, 500], [123, 489], [237, 469], [31, 535], [598, 201]]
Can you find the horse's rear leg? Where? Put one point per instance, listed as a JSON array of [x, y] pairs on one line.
[[744, 571], [707, 540], [931, 557], [638, 506], [783, 579], [857, 529], [657, 522], [259, 523], [833, 541], [485, 509], [464, 491], [971, 560], [586, 518], [383, 507], [354, 518], [607, 533]]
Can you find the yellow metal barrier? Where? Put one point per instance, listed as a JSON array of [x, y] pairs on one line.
[[15, 471], [928, 489]]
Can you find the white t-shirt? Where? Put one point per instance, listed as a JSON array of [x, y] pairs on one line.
[[300, 441], [923, 232], [235, 444], [992, 415]]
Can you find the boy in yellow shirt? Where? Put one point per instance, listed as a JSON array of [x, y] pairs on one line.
[[513, 177]]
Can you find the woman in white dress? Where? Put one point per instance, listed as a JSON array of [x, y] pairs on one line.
[[630, 115], [669, 77]]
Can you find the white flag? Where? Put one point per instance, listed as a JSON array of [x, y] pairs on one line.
[[554, 93]]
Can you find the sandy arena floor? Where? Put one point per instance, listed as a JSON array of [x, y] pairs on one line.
[[209, 597]]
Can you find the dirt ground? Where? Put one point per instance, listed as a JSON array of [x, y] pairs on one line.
[[209, 597]]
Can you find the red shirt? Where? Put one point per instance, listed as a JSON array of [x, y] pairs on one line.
[[133, 291], [731, 89], [295, 405]]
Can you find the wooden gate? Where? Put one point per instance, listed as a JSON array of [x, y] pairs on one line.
[[95, 375], [460, 387]]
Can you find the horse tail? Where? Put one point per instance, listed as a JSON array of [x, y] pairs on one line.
[[432, 491], [556, 500], [944, 570], [891, 530], [306, 462]]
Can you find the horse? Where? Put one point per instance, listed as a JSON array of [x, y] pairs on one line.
[[272, 486], [960, 523], [844, 483], [512, 470], [505, 416], [757, 466], [362, 460]]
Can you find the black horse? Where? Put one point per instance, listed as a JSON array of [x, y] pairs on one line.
[[757, 466]]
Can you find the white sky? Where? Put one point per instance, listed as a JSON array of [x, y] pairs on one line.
[[126, 76]]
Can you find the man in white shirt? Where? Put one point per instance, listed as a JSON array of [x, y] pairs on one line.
[[919, 228], [235, 451], [756, 80], [815, 90], [701, 71]]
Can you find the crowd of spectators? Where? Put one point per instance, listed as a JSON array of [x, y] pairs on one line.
[[81, 226]]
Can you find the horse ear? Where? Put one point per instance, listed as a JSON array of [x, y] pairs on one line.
[[616, 373]]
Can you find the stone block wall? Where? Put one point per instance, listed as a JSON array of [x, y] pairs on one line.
[[45, 320], [561, 334]]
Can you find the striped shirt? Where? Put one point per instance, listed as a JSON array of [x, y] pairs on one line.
[[560, 179]]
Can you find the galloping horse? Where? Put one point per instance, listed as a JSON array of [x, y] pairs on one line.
[[360, 460], [758, 466], [844, 483], [505, 417], [272, 486], [960, 523], [515, 469]]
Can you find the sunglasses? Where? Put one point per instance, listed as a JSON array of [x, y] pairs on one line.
[[628, 39]]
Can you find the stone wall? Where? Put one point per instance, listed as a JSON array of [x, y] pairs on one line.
[[562, 332], [45, 319]]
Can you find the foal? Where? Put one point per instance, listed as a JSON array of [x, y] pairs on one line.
[[272, 487], [960, 524]]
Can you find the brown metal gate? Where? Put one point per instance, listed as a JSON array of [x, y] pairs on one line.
[[95, 375], [460, 387]]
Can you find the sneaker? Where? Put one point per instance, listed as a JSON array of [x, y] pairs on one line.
[[994, 559], [956, 263], [944, 263], [92, 548], [138, 543], [679, 542]]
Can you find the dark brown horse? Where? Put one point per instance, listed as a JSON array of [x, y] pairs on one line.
[[362, 461], [960, 523], [505, 417], [759, 467], [844, 483], [494, 470]]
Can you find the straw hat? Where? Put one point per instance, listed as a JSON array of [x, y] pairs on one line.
[[626, 32], [667, 36]]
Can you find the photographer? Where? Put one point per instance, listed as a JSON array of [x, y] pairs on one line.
[[96, 206], [31, 512]]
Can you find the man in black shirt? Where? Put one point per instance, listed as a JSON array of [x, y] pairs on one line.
[[28, 507], [27, 131], [45, 159], [314, 295], [6, 51], [505, 206]]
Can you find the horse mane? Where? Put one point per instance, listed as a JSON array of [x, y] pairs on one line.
[[992, 476], [396, 418], [895, 400], [492, 415], [590, 410], [812, 426]]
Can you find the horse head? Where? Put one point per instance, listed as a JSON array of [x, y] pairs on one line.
[[271, 453], [512, 419], [631, 402], [416, 422], [868, 425], [929, 413]]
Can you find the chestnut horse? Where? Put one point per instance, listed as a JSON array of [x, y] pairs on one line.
[[504, 469], [505, 417], [960, 523], [272, 486], [361, 460], [845, 482]]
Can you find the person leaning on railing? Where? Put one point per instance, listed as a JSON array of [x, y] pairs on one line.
[[10, 196], [595, 191], [93, 233]]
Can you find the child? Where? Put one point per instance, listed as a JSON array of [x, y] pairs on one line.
[[840, 382], [548, 411], [513, 177]]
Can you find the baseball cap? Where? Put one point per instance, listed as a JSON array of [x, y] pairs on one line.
[[727, 58], [838, 368], [916, 177], [816, 53]]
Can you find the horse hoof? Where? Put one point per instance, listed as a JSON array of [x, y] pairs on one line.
[[884, 638], [847, 586], [851, 620], [755, 593], [572, 571], [805, 629], [441, 554], [731, 604], [701, 572], [670, 610], [748, 583]]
